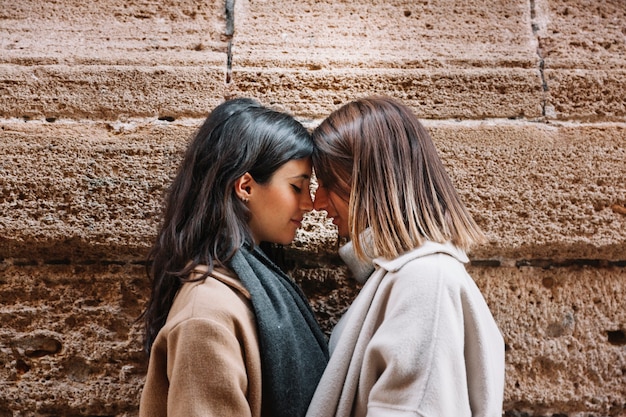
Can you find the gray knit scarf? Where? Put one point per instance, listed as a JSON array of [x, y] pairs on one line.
[[294, 350]]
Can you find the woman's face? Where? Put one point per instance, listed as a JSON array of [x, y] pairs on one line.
[[335, 206], [278, 206]]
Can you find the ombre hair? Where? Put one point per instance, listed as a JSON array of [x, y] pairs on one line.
[[375, 154]]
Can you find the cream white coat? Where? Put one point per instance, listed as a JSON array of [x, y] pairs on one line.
[[419, 340]]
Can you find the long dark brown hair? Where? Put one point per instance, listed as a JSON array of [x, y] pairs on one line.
[[376, 154], [204, 222]]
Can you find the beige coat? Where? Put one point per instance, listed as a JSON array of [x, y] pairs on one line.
[[419, 340], [205, 360]]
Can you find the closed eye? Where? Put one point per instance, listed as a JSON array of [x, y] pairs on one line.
[[296, 188]]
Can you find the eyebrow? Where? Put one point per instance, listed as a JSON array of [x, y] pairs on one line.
[[303, 176]]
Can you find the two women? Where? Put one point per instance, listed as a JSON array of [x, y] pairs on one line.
[[230, 335], [227, 332]]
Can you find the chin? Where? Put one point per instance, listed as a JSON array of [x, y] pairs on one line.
[[343, 234], [287, 241]]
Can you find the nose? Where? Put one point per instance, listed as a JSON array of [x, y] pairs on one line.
[[321, 199], [306, 202]]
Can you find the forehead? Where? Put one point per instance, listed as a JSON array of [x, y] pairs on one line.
[[295, 169]]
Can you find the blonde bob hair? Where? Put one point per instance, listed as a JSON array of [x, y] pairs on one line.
[[375, 154]]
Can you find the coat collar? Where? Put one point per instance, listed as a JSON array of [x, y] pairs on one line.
[[362, 269], [426, 249]]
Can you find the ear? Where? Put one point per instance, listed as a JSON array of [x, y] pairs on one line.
[[243, 187]]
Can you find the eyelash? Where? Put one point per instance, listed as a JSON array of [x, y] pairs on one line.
[[296, 188]]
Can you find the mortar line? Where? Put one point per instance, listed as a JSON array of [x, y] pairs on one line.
[[538, 263], [535, 30], [229, 6], [135, 122]]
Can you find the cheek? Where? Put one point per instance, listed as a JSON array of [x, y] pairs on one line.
[[341, 207], [283, 200]]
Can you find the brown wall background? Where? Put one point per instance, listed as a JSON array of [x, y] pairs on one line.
[[524, 99]]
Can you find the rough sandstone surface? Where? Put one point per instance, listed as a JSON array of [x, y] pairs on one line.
[[525, 101]]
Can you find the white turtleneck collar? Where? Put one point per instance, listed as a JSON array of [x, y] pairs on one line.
[[361, 269]]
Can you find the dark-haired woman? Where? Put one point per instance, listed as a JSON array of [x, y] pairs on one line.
[[419, 339], [227, 332]]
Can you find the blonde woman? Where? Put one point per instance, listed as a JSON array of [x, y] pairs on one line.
[[419, 339]]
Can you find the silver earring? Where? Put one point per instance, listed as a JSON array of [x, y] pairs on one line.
[[244, 200]]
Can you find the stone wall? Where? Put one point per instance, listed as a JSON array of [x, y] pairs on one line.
[[524, 99]]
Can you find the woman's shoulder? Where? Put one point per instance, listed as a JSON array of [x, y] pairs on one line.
[[428, 255], [220, 297], [430, 265]]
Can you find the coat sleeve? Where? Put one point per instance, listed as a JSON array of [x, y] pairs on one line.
[[415, 362], [484, 355], [206, 371]]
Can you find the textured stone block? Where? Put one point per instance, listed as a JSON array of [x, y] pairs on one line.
[[436, 94], [112, 60], [114, 32], [540, 190], [587, 95], [404, 49], [564, 334], [82, 190], [108, 92], [68, 344], [578, 34], [382, 34]]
